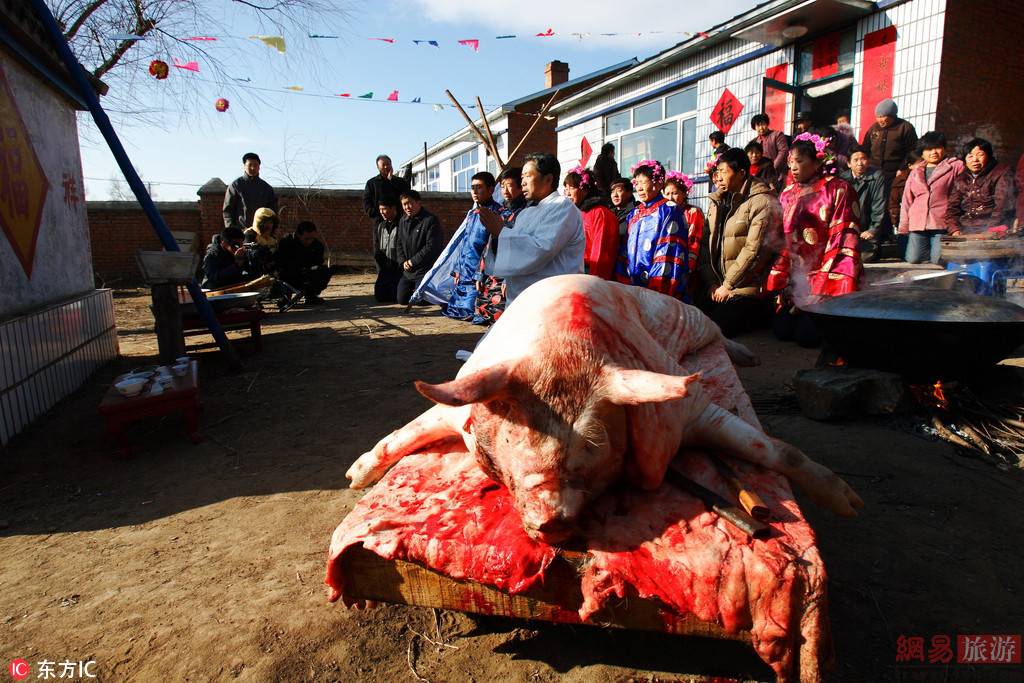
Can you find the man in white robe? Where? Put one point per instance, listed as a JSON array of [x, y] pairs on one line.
[[548, 237]]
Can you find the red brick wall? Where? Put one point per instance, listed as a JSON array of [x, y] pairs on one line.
[[981, 82], [118, 228]]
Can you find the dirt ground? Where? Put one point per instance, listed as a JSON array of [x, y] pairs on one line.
[[205, 562]]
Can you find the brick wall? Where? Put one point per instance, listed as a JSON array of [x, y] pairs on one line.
[[981, 84], [118, 228]]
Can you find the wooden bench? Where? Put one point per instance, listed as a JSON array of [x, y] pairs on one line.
[[230, 320]]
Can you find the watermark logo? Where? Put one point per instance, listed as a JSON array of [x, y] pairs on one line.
[[973, 649], [19, 669]]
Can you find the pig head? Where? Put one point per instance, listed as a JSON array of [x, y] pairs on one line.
[[552, 427]]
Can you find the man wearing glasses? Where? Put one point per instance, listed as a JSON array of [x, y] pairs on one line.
[[225, 260]]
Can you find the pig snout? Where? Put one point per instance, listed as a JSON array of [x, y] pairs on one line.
[[548, 509]]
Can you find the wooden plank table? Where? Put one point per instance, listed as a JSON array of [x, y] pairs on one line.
[[182, 395], [229, 320], [371, 577]]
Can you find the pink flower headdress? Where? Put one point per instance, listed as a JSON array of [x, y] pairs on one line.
[[681, 178], [657, 171], [821, 150], [586, 178]]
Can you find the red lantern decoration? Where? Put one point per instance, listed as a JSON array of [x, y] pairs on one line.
[[222, 105], [158, 69]]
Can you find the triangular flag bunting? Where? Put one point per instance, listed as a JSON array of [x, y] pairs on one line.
[[345, 94], [126, 36], [200, 38], [384, 40], [191, 66], [437, 108], [299, 88], [475, 44], [367, 95], [416, 100], [393, 97], [314, 35], [272, 41], [546, 34], [503, 37]]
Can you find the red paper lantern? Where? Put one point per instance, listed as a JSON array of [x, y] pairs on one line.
[[158, 69]]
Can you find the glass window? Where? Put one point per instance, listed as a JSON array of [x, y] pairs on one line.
[[689, 147], [659, 143], [464, 168], [434, 179], [846, 54], [616, 123], [647, 113], [681, 102]]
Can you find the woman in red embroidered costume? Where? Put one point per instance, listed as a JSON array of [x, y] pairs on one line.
[[599, 223], [820, 255], [677, 191]]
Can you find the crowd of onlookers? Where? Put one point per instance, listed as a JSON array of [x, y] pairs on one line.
[[789, 219]]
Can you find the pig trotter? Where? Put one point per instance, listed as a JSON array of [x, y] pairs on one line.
[[823, 486], [739, 354]]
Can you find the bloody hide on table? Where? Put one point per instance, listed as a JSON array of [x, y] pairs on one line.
[[439, 510]]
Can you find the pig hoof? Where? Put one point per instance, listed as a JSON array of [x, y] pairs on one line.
[[829, 491], [740, 355], [362, 474]]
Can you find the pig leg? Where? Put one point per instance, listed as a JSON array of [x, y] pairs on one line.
[[721, 430], [435, 424]]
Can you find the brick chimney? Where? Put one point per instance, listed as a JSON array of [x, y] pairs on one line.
[[555, 73]]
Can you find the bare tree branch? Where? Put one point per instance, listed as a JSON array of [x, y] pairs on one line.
[[83, 17]]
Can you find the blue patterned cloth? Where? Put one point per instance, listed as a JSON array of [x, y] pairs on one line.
[[654, 253], [462, 300]]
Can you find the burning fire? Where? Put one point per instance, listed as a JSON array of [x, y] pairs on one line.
[[930, 395]]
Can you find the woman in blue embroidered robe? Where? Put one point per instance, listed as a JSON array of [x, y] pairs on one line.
[[462, 301], [654, 253]]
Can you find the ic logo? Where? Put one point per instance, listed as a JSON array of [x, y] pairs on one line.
[[19, 668]]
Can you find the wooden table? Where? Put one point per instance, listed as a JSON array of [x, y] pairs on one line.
[[182, 395], [229, 320]]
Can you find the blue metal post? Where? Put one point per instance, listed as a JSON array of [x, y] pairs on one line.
[[134, 181]]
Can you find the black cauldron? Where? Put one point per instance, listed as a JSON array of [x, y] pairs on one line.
[[922, 333]]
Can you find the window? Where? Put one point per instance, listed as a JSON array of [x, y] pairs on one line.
[[658, 142], [434, 179], [616, 123], [647, 113], [664, 129], [837, 48], [463, 169], [681, 102]]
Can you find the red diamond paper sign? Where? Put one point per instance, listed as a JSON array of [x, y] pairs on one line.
[[585, 151], [23, 185], [726, 111]]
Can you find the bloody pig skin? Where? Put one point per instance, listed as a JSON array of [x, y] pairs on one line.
[[579, 384]]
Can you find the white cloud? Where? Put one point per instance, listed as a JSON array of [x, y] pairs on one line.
[[655, 20]]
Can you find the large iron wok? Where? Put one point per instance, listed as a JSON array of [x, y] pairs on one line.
[[920, 332]]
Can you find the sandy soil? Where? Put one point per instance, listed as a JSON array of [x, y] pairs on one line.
[[205, 562]]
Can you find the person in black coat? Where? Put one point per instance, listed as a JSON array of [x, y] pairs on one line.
[[247, 194], [384, 184], [225, 262], [300, 262], [420, 241]]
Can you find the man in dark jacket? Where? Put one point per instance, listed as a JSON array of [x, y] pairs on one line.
[[623, 203], [225, 260], [300, 262], [871, 195], [247, 194], [605, 168], [888, 140], [420, 241], [384, 184], [385, 252]]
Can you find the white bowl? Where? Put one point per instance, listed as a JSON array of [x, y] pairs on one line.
[[131, 386], [166, 381], [181, 361], [180, 370]]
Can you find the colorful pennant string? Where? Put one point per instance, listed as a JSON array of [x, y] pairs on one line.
[[272, 41], [475, 44]]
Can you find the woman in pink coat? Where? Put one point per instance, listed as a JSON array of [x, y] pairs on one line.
[[599, 223], [923, 211]]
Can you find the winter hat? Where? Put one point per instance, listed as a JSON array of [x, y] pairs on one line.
[[886, 108], [803, 116]]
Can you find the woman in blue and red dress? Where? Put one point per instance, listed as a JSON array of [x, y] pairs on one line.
[[654, 253]]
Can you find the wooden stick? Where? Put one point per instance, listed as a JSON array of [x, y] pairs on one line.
[[469, 121], [539, 117], [487, 128]]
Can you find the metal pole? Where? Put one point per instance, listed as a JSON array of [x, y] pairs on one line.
[[163, 233]]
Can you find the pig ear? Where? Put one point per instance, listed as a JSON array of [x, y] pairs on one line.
[[633, 387], [478, 387]]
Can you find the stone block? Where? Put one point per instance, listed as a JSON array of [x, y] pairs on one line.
[[830, 393]]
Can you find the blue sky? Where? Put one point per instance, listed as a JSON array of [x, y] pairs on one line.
[[316, 138]]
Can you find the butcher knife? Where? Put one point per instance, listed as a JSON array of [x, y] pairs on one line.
[[726, 510], [750, 501]]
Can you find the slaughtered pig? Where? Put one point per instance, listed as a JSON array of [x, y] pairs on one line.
[[579, 384]]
